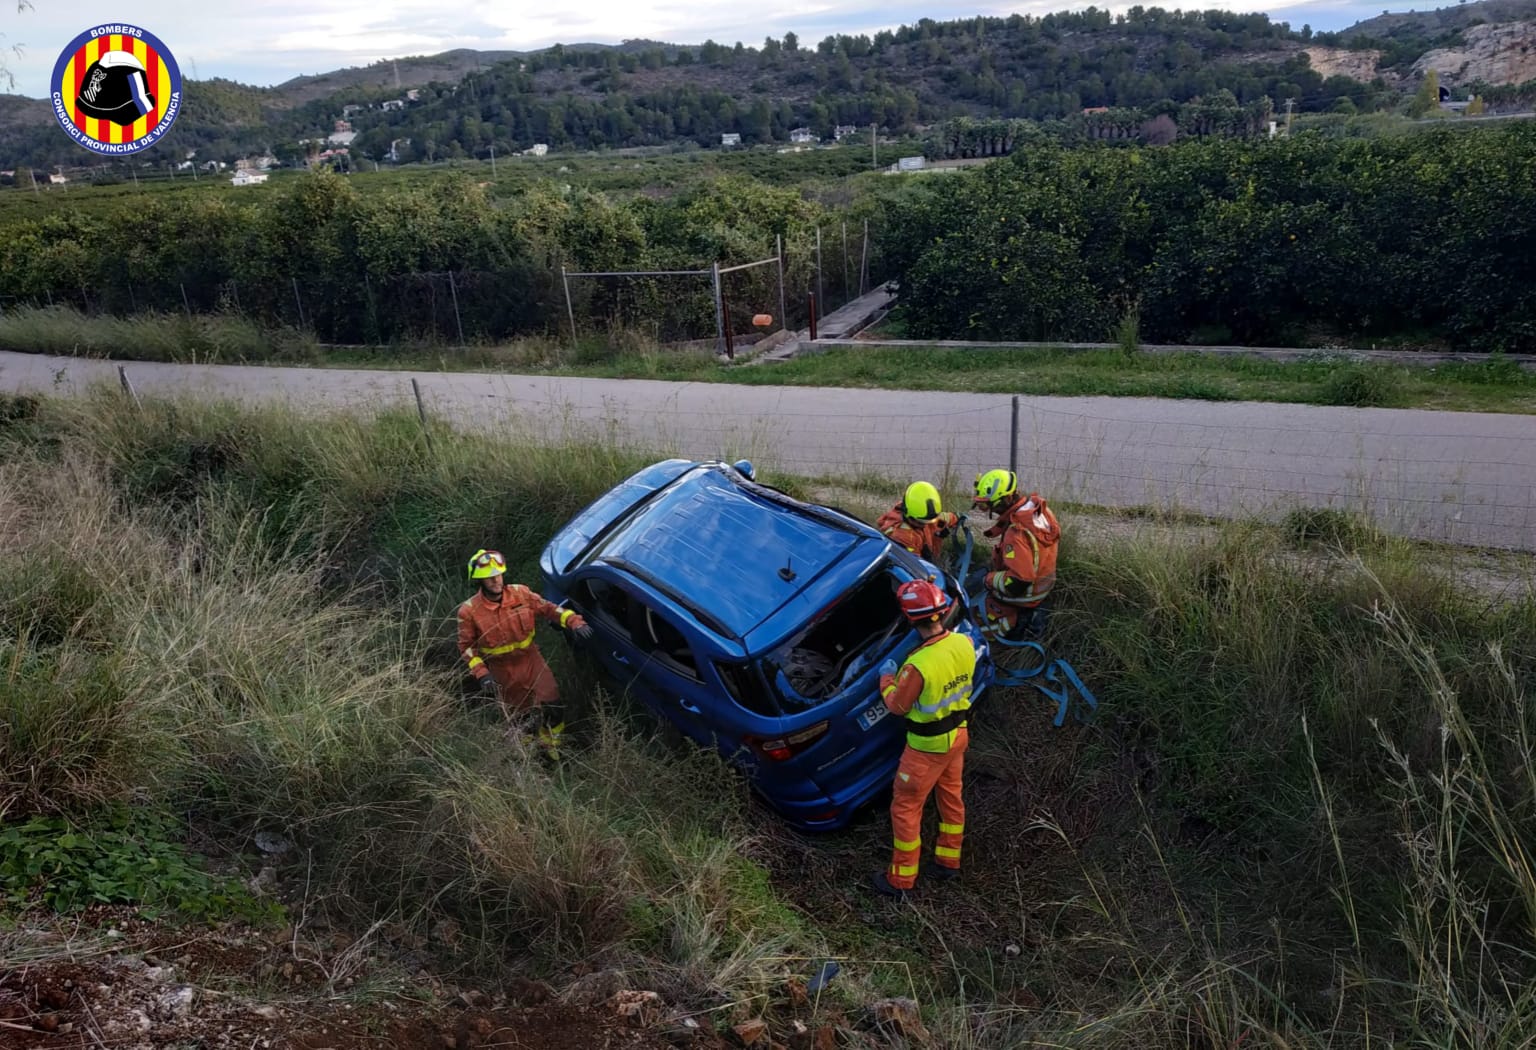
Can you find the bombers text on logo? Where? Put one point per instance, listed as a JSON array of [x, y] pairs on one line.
[[116, 89]]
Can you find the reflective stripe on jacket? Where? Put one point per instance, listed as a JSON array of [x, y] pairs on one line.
[[945, 666], [502, 629], [1024, 560]]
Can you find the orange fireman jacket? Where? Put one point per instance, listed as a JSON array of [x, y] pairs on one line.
[[501, 631], [924, 539], [1024, 560]]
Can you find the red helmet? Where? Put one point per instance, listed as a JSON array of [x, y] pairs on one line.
[[921, 600]]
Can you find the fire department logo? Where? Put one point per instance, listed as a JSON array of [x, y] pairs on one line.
[[116, 89]]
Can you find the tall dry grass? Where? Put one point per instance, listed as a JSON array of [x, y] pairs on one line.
[[243, 615]]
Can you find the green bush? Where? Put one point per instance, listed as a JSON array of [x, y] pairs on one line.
[[1361, 386], [120, 856]]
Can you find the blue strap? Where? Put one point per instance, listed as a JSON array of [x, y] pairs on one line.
[[1055, 678]]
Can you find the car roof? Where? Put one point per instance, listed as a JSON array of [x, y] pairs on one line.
[[719, 546]]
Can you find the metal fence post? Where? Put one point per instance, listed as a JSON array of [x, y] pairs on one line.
[[864, 262], [458, 322], [847, 281], [820, 294], [421, 411], [720, 341], [813, 316], [300, 302], [122, 375], [570, 311], [1013, 439], [783, 307]]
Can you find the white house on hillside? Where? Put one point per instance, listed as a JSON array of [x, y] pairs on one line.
[[802, 135], [538, 150], [246, 177], [730, 138]]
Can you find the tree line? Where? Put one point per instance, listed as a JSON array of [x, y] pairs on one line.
[[1426, 235]]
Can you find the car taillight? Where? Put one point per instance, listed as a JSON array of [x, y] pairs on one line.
[[784, 748]]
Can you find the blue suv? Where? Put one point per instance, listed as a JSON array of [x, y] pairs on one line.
[[754, 622]]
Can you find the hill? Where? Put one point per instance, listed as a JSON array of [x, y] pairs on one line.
[[1139, 65]]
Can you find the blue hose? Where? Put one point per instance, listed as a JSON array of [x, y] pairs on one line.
[[1054, 678]]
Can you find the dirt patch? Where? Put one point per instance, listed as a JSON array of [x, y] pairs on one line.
[[122, 981]]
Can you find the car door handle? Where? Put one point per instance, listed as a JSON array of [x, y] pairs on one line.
[[686, 706], [620, 659]]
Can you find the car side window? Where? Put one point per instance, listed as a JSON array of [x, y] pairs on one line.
[[645, 628]]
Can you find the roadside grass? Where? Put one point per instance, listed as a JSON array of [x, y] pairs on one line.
[[1492, 386], [1305, 815]]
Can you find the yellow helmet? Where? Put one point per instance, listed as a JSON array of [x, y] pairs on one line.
[[996, 485], [486, 564], [921, 502]]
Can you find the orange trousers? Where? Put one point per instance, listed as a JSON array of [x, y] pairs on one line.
[[919, 775], [524, 679]]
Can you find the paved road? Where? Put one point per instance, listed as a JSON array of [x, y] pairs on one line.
[[1456, 476]]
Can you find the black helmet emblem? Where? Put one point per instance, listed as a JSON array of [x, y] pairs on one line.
[[114, 88]]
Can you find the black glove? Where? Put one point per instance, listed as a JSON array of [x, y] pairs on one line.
[[488, 687]]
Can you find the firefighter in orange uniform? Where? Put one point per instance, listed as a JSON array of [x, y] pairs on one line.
[[932, 690], [496, 627], [1023, 568], [919, 522]]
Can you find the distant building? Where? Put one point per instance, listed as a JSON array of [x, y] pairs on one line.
[[911, 164], [843, 131], [730, 138], [1095, 109], [538, 150], [246, 177], [56, 179], [413, 95], [802, 135], [350, 109], [341, 138], [393, 103]]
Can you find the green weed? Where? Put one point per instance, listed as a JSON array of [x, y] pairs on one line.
[[121, 855]]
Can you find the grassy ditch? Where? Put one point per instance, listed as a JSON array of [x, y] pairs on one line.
[[1304, 816], [1494, 386]]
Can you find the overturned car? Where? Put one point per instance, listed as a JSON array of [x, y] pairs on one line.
[[753, 622]]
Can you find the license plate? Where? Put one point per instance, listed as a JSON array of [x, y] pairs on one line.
[[869, 716]]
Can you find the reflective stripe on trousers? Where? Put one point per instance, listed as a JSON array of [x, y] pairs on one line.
[[920, 774]]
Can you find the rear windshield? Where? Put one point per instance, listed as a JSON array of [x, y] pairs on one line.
[[819, 662]]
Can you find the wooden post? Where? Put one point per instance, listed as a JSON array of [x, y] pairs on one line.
[[725, 315], [184, 301], [812, 298]]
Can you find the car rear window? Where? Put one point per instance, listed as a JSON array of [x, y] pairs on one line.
[[746, 687], [816, 665]]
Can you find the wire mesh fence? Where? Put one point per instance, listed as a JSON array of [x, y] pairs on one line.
[[1467, 480], [345, 305]]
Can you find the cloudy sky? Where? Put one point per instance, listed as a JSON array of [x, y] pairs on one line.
[[268, 41]]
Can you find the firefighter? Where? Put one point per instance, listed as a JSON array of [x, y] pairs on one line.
[[1023, 568], [932, 690], [496, 627], [919, 522]]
